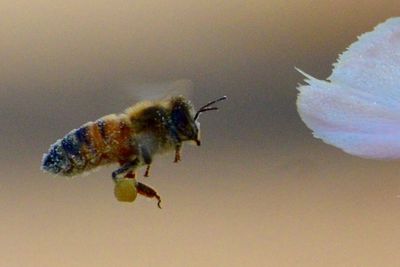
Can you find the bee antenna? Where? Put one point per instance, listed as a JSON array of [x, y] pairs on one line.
[[207, 107]]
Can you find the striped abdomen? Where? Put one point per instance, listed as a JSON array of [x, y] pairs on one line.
[[106, 140]]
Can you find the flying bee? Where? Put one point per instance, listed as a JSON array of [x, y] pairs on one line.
[[130, 139]]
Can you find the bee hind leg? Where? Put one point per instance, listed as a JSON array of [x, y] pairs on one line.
[[131, 175], [125, 170], [149, 192]]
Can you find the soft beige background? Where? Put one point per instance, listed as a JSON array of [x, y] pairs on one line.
[[259, 192]]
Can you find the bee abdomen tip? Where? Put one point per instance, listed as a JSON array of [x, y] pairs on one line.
[[56, 160]]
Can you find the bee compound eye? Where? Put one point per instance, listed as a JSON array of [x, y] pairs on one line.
[[125, 190]]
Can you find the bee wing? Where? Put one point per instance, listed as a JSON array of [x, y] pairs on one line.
[[160, 90], [358, 108]]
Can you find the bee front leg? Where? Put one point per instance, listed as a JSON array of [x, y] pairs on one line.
[[178, 149], [149, 192], [126, 170]]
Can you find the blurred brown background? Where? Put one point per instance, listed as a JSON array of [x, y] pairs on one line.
[[259, 192]]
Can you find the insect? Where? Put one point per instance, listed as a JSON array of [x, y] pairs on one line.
[[130, 139], [358, 108]]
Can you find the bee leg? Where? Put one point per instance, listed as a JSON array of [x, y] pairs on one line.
[[131, 175], [147, 173], [178, 153], [125, 169], [149, 192], [147, 159]]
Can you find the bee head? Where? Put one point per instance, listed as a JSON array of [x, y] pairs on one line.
[[185, 119]]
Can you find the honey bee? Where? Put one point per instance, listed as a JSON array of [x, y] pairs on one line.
[[131, 139]]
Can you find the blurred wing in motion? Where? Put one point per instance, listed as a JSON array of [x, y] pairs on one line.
[[358, 108], [159, 90]]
